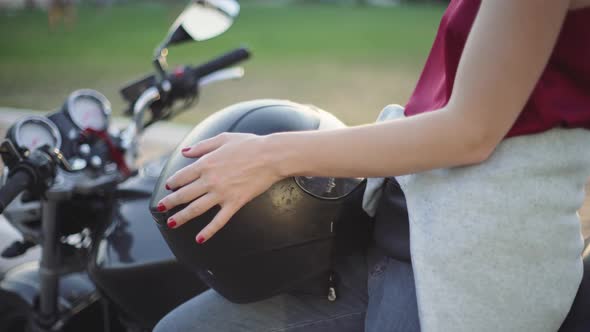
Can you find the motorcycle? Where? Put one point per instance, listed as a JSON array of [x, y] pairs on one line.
[[84, 253]]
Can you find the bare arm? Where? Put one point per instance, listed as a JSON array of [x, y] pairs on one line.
[[506, 52]]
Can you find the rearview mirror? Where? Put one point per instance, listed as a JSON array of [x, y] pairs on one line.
[[202, 20]]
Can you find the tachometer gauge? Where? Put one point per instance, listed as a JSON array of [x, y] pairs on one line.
[[88, 109], [34, 131]]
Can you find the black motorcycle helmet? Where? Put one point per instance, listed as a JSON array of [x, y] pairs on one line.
[[281, 239]]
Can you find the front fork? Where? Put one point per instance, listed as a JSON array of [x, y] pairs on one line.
[[57, 260], [47, 316]]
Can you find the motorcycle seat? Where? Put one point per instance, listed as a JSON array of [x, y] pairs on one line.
[[578, 319]]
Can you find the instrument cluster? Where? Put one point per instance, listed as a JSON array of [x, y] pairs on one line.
[[84, 111]]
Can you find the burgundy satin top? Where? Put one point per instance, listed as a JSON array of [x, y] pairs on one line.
[[561, 98]]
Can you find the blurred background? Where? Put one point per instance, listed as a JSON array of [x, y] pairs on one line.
[[348, 57]]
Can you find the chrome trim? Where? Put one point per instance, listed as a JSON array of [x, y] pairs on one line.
[[147, 98], [39, 119], [4, 175], [130, 136], [299, 180], [56, 153], [105, 105]]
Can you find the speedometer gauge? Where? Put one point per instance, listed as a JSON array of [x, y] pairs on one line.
[[34, 131], [88, 109]]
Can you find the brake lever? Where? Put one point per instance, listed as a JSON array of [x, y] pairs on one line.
[[233, 73]]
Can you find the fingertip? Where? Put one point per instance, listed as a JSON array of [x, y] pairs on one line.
[[200, 239], [161, 207], [192, 152]]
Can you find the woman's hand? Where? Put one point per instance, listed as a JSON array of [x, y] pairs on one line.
[[232, 170]]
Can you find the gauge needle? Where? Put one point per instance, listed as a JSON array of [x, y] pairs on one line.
[[34, 142], [86, 117]]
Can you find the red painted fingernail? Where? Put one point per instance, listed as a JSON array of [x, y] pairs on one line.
[[168, 187], [161, 207], [200, 239], [171, 223], [185, 149]]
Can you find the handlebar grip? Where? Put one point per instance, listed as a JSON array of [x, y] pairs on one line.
[[15, 184], [221, 62]]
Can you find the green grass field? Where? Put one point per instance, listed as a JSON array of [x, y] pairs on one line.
[[348, 60]]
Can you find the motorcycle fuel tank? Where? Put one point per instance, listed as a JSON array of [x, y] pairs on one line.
[[131, 260]]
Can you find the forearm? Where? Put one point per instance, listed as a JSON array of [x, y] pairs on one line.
[[432, 140], [500, 65]]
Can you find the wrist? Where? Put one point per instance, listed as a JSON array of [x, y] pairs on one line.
[[279, 154]]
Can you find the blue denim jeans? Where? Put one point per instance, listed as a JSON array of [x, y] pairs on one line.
[[375, 293]]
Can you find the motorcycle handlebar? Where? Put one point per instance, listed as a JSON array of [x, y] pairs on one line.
[[16, 183], [221, 62]]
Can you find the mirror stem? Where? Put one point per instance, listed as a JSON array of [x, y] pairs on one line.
[[160, 61], [161, 73]]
